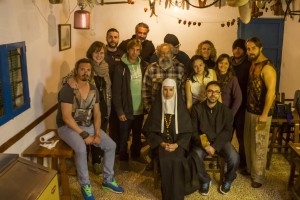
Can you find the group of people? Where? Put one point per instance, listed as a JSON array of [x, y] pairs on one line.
[[171, 99]]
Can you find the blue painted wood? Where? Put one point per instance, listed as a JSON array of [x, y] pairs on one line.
[[9, 111]]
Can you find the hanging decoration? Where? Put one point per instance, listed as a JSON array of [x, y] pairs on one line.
[[202, 3], [190, 23], [152, 8]]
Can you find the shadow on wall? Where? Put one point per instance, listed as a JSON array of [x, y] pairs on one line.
[[50, 98]]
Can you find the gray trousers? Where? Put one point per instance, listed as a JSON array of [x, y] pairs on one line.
[[75, 141], [256, 140]]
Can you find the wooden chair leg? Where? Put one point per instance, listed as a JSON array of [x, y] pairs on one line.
[[222, 168], [292, 175], [273, 139], [156, 172]]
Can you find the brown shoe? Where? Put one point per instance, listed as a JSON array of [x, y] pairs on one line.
[[140, 159], [256, 184], [244, 172]]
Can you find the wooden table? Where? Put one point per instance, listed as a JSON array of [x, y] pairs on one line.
[[58, 154], [295, 163], [278, 122]]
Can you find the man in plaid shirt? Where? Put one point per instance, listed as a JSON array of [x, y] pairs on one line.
[[166, 67]]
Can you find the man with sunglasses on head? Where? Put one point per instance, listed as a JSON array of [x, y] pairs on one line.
[[214, 120]]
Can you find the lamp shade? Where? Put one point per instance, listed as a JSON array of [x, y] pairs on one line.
[[82, 19]]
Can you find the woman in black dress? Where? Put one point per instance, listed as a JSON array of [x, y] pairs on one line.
[[168, 130]]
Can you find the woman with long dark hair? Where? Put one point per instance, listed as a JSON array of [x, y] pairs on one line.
[[230, 88], [198, 77]]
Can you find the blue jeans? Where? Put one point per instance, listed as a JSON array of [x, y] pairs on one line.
[[75, 141], [135, 125], [231, 158]]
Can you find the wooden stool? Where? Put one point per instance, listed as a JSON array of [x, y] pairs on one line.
[[220, 165], [58, 154]]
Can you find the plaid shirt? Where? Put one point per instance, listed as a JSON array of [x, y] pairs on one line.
[[154, 77]]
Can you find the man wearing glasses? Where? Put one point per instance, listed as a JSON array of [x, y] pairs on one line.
[[214, 120]]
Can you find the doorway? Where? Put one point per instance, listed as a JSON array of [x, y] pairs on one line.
[[270, 32]]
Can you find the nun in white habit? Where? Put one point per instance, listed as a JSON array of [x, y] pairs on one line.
[[168, 130]]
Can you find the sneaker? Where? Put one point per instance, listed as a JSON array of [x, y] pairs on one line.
[[225, 187], [204, 189], [112, 186], [97, 168], [87, 193]]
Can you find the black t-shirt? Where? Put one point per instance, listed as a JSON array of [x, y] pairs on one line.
[[82, 109]]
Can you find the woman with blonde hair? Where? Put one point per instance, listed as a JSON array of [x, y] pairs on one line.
[[207, 50]]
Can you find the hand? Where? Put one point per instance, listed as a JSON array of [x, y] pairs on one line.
[[262, 119], [210, 150], [89, 140], [97, 139], [171, 147], [122, 118], [163, 145], [73, 84]]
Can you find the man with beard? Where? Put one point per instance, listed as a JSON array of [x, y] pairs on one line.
[[241, 66], [260, 104], [156, 72], [141, 32], [114, 53], [79, 120], [113, 57], [214, 119], [178, 54]]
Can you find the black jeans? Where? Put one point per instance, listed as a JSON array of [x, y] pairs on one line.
[[238, 125], [134, 125]]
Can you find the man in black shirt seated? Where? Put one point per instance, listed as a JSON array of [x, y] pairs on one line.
[[214, 119]]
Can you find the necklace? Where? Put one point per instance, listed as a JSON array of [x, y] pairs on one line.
[[168, 122]]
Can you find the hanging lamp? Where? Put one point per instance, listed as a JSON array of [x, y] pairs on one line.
[[82, 18]]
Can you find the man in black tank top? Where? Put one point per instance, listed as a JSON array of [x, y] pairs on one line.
[[260, 104]]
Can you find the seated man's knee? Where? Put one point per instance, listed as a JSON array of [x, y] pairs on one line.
[[81, 149], [200, 152]]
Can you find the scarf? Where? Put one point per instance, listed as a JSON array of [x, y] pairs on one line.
[[102, 70]]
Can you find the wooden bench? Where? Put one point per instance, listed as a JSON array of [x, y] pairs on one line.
[[58, 157]]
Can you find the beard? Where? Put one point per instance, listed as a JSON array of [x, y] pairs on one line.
[[165, 62], [85, 77], [253, 57], [212, 100], [112, 44]]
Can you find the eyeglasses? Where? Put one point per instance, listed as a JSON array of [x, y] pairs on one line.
[[213, 92]]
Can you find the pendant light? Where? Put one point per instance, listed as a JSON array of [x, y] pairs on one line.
[[82, 18]]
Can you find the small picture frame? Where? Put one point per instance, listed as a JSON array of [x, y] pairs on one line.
[[64, 36]]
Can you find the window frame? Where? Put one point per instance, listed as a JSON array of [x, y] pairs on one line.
[[9, 112]]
